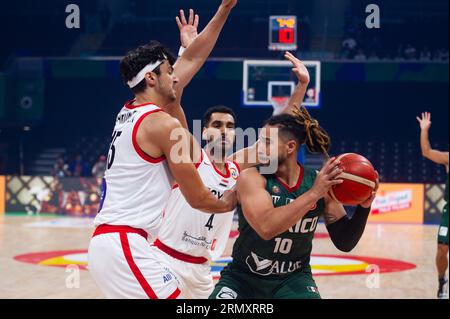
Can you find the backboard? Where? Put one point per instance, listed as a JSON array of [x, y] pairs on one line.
[[265, 79]]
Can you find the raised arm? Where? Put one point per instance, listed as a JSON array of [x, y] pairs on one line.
[[434, 155], [247, 157], [346, 232], [258, 208], [302, 73], [199, 50], [171, 140]]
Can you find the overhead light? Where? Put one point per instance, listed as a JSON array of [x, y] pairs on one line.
[[26, 128]]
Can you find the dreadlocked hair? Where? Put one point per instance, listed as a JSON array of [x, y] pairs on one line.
[[304, 129], [317, 139]]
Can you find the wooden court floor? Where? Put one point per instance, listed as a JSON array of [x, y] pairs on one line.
[[412, 244]]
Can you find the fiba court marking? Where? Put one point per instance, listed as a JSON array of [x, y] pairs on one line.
[[322, 265]]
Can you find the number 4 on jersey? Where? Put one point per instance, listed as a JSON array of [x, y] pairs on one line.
[[209, 224]]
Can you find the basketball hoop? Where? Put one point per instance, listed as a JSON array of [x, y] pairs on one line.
[[279, 103]]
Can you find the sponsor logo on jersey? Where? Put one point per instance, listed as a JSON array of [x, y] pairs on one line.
[[267, 267], [167, 278], [226, 293], [201, 241]]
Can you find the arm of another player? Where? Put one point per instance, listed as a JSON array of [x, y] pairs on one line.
[[258, 208], [170, 139], [247, 157], [346, 232], [199, 50], [302, 73], [436, 156], [188, 33]]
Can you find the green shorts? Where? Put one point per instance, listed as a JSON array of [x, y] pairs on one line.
[[443, 228], [238, 284]]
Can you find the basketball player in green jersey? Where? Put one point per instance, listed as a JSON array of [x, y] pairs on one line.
[[439, 158], [279, 212]]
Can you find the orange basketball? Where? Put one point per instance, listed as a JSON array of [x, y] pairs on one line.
[[359, 178]]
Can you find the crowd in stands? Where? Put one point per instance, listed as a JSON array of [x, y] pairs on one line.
[[78, 167]]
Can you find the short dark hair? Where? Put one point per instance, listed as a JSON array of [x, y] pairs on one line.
[[217, 109], [138, 58]]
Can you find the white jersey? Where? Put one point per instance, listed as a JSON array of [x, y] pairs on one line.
[[136, 186], [195, 233]]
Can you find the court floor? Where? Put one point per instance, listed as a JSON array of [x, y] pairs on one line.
[[391, 261]]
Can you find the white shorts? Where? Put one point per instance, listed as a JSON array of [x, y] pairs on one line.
[[124, 267], [194, 280]]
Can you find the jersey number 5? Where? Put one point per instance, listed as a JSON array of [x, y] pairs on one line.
[[112, 148]]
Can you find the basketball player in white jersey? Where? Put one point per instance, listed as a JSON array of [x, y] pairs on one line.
[[142, 166], [189, 239]]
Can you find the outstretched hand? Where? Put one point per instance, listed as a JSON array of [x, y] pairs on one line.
[[229, 3], [188, 28], [299, 68], [425, 121]]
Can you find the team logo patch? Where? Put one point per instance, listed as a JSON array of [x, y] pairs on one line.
[[234, 173], [322, 265], [276, 190], [226, 293]]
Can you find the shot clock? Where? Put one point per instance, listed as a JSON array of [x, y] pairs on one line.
[[282, 33]]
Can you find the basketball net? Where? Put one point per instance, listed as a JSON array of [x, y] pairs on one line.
[[279, 103]]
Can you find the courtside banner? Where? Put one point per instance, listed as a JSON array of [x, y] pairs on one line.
[[434, 203], [2, 194], [76, 196], [398, 203]]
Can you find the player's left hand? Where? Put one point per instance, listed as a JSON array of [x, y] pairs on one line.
[[188, 28], [369, 201], [299, 68]]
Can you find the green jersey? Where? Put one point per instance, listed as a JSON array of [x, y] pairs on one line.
[[288, 252]]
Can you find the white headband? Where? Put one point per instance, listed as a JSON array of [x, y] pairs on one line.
[[141, 75]]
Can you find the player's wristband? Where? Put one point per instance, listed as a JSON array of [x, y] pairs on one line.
[[181, 51]]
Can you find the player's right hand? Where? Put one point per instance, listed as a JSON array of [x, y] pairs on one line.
[[425, 121], [326, 178], [230, 198], [229, 3]]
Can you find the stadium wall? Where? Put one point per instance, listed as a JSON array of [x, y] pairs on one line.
[[79, 197]]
